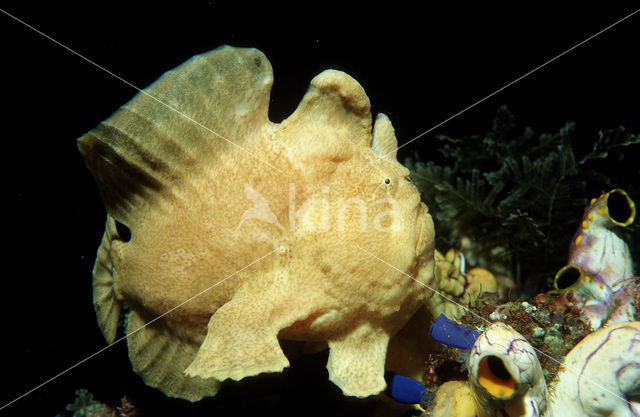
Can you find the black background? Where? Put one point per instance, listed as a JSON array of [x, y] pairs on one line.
[[419, 65]]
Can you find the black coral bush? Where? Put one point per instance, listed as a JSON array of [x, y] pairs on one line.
[[511, 199]]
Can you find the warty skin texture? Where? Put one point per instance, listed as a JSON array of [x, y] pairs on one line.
[[185, 194]]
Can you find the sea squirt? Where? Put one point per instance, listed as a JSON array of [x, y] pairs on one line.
[[601, 375], [505, 375], [247, 231], [599, 274]]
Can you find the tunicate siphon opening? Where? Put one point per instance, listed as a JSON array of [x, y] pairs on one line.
[[124, 233], [567, 276], [621, 208], [494, 377]]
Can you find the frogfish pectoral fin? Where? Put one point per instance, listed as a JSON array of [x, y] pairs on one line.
[[160, 357], [242, 335], [356, 361]]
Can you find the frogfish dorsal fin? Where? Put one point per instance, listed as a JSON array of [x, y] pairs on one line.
[[340, 102], [179, 125]]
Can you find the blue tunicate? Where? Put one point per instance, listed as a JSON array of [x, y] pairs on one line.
[[452, 334], [406, 390]]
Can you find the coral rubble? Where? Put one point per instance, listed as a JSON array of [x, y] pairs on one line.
[[86, 406]]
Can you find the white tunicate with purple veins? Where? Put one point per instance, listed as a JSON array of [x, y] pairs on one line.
[[505, 375], [601, 375]]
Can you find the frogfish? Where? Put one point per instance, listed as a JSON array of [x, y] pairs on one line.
[[226, 232]]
